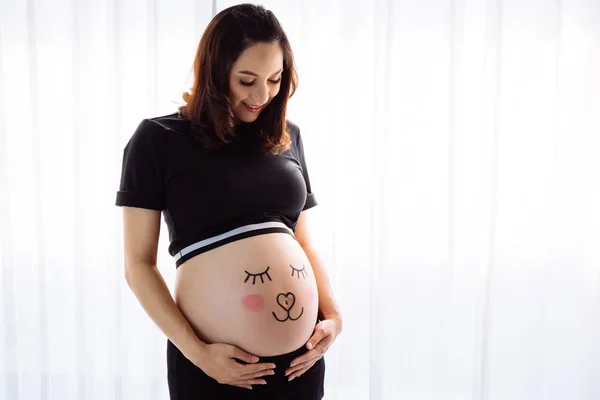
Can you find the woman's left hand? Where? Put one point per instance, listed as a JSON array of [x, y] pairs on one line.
[[325, 333]]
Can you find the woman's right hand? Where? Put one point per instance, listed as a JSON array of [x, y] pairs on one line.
[[218, 360]]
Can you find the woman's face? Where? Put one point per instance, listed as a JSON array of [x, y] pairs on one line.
[[255, 79]]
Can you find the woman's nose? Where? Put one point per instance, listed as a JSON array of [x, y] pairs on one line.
[[261, 95]]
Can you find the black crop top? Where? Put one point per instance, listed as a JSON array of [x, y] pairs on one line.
[[203, 193]]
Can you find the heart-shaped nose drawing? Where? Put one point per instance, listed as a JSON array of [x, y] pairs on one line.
[[286, 301]]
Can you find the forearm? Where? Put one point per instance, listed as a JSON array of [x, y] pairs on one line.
[[328, 307], [152, 292]]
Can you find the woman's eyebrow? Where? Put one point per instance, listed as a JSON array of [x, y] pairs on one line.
[[253, 74]]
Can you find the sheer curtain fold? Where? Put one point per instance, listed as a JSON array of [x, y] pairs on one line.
[[454, 148]]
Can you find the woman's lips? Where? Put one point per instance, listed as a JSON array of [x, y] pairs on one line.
[[252, 109]]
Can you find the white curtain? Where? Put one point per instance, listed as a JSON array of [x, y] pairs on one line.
[[454, 146]]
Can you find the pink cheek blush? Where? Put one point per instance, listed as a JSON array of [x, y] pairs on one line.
[[253, 302]]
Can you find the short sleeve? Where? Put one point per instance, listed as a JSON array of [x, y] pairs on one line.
[[311, 200], [142, 171]]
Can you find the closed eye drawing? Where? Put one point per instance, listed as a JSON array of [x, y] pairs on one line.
[[259, 275], [299, 272]]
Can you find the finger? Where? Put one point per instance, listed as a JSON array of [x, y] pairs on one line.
[[257, 374], [247, 382], [254, 368], [243, 386], [297, 367], [309, 355], [244, 356], [302, 371], [316, 338]]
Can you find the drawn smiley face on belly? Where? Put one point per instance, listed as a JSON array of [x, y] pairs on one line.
[[287, 301]]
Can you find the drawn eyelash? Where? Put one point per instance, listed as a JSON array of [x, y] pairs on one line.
[[299, 271], [254, 276]]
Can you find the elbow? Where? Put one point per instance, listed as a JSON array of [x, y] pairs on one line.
[[130, 271], [127, 272]]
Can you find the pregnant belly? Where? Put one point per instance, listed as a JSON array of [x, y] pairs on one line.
[[258, 293]]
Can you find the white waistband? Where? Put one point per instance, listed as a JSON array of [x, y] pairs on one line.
[[233, 232]]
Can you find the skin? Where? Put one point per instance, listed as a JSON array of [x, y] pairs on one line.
[[259, 66], [141, 234], [330, 326], [141, 228], [254, 302]]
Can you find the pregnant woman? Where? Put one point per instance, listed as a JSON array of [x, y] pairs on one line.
[[253, 312]]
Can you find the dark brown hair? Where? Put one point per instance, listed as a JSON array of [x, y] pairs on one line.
[[208, 106]]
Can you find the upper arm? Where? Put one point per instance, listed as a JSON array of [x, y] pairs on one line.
[[302, 233], [141, 230], [141, 194]]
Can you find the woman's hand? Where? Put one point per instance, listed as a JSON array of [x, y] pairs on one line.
[[218, 361], [325, 333]]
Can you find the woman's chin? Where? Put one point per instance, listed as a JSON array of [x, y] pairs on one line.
[[248, 118]]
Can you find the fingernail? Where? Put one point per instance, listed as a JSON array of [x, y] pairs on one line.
[[254, 359], [290, 379], [309, 345], [272, 366]]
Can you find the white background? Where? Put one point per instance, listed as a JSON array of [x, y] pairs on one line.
[[454, 147]]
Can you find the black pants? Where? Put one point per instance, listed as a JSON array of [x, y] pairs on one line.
[[187, 382]]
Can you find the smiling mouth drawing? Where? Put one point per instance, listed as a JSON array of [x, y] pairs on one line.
[[287, 301]]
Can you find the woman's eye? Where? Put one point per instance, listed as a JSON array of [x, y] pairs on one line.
[[252, 83], [260, 275]]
